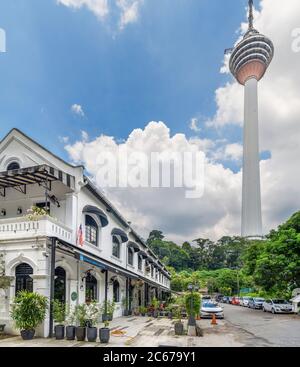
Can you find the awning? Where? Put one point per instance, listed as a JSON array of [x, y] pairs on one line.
[[119, 232], [143, 254], [134, 246], [43, 175], [100, 214], [91, 261]]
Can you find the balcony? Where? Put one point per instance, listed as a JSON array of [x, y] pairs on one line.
[[22, 228]]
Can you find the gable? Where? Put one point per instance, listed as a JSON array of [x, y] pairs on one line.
[[18, 147]]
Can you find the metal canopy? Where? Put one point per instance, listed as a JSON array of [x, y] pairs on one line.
[[100, 214], [119, 232], [134, 246], [42, 175], [143, 254]]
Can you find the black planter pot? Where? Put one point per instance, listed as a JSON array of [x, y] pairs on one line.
[[70, 332], [178, 328], [27, 334], [170, 315], [80, 333], [143, 314], [104, 335], [92, 334], [125, 313], [59, 332], [155, 314], [149, 314]]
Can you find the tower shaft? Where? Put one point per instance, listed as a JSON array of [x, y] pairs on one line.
[[251, 201]]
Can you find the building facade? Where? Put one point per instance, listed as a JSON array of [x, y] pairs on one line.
[[83, 250]]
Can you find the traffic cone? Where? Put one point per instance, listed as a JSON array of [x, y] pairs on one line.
[[214, 320]]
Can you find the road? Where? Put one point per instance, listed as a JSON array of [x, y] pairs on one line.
[[256, 328]]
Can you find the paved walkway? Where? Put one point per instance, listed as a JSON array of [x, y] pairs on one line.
[[142, 332]]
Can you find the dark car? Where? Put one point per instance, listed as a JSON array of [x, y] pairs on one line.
[[219, 298], [256, 303], [225, 299]]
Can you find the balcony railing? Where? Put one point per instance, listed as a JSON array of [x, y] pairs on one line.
[[18, 228]]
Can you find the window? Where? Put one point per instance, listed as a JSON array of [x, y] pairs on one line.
[[24, 281], [60, 285], [13, 165], [91, 291], [130, 256], [140, 262], [116, 247], [116, 291], [91, 230], [44, 205]]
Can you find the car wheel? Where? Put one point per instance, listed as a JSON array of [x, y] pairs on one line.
[[273, 311], [264, 309]]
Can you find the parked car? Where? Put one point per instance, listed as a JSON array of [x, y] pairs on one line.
[[219, 298], [235, 301], [225, 299], [230, 300], [277, 306], [245, 301], [256, 303], [210, 308], [206, 298]]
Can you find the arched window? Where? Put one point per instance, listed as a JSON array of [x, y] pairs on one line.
[[60, 285], [24, 281], [116, 247], [130, 256], [91, 288], [140, 262], [13, 165], [116, 291], [91, 230]]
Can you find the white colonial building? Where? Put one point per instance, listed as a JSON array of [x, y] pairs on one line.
[[83, 250]]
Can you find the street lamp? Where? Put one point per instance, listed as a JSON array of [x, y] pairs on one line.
[[192, 321]]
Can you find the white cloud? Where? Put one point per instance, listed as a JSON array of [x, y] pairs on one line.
[[128, 10], [194, 125], [218, 212], [63, 139], [77, 110], [99, 7]]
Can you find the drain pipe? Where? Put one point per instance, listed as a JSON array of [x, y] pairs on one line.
[[52, 279]]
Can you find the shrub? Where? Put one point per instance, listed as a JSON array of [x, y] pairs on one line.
[[81, 315], [59, 311], [29, 310]]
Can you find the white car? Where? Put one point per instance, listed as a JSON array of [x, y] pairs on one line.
[[277, 306], [210, 308], [244, 301]]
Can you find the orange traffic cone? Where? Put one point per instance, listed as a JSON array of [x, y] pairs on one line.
[[214, 320]]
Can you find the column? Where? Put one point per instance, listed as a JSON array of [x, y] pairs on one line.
[[251, 198]]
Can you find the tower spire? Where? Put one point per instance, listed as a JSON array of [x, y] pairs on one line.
[[251, 15]]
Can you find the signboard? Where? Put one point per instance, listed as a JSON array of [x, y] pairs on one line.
[[74, 296]]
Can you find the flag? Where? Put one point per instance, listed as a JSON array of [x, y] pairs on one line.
[[80, 236]]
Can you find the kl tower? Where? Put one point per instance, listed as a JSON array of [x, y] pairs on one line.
[[248, 63]]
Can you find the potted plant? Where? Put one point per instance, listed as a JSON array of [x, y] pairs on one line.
[[178, 326], [143, 310], [92, 313], [155, 304], [192, 304], [81, 319], [110, 309], [104, 333], [28, 311], [59, 315], [70, 320]]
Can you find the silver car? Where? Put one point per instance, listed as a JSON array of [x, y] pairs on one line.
[[277, 306]]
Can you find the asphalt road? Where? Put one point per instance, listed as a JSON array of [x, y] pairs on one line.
[[257, 328]]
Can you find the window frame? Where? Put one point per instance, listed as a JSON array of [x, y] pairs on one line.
[[91, 231]]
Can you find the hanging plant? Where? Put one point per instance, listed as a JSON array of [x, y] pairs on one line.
[[35, 213]]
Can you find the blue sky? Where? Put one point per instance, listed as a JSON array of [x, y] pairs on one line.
[[163, 67]]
